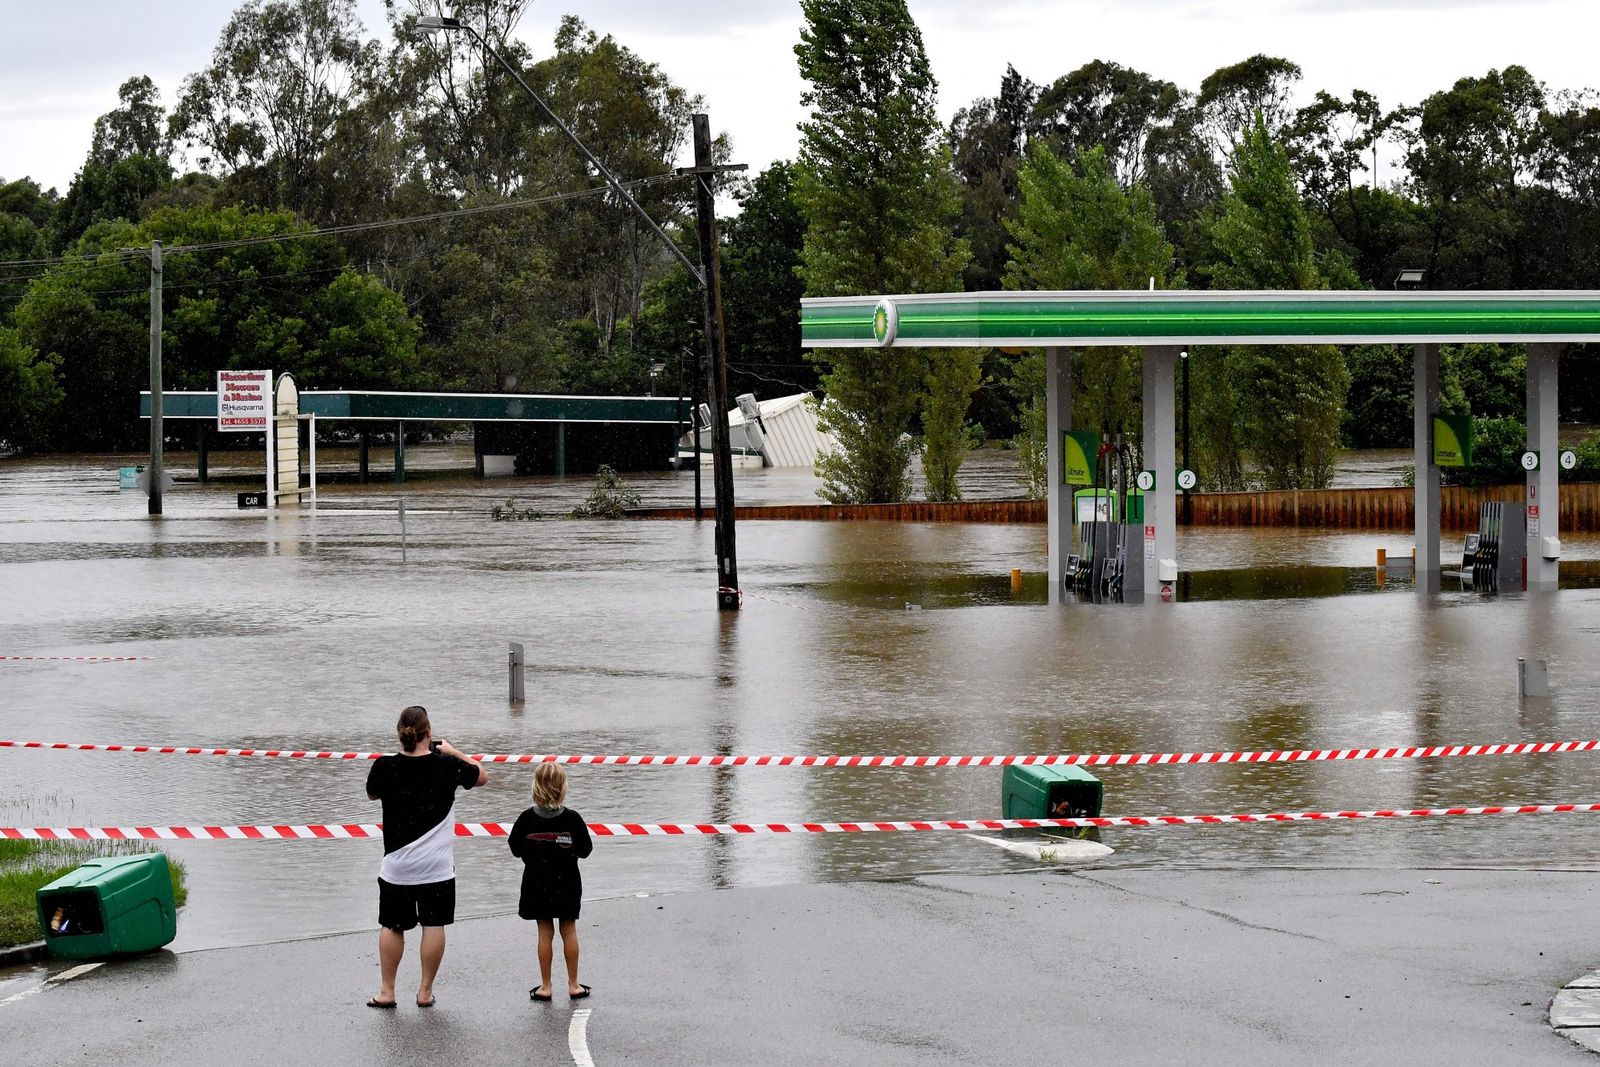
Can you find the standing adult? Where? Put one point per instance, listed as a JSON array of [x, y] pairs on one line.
[[417, 881]]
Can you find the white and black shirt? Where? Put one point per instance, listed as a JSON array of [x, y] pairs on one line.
[[419, 815]]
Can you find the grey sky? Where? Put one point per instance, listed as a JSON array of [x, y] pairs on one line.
[[60, 64]]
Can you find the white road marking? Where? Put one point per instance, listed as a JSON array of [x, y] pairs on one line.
[[50, 980], [68, 975], [578, 1038]]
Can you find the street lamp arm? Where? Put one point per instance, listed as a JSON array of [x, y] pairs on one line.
[[622, 191]]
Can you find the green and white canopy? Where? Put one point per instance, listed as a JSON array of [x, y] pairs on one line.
[[1183, 317]]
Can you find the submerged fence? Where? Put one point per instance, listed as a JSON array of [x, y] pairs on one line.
[[1381, 508]]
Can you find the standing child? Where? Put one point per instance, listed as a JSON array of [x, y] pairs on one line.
[[550, 839]]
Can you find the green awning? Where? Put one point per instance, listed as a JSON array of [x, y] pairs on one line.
[[1179, 317]]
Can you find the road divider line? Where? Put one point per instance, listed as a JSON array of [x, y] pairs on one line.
[[578, 1038], [1081, 759], [361, 831]]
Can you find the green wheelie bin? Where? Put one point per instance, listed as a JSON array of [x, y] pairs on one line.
[[109, 907]]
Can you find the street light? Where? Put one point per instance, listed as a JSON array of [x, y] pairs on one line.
[[709, 277]]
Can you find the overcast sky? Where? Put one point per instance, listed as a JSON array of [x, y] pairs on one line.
[[61, 63]]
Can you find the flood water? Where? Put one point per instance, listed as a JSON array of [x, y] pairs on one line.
[[306, 630]]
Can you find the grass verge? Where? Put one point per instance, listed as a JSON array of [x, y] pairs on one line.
[[25, 866]]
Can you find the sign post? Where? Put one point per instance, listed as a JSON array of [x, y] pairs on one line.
[[244, 399]]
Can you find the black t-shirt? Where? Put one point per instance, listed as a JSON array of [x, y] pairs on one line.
[[417, 793]]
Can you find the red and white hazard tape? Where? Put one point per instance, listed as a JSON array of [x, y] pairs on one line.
[[1083, 759], [73, 659], [355, 831]]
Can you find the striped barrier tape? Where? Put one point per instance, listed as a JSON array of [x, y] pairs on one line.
[[74, 659], [355, 831], [1087, 759]]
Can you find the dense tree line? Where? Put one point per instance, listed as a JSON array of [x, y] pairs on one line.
[[522, 279]]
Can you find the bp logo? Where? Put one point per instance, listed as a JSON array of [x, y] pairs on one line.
[[885, 322]]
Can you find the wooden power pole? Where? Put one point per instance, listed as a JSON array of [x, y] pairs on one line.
[[728, 594]]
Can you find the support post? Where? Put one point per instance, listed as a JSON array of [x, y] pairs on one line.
[[1544, 482], [477, 451], [400, 451], [517, 666], [1058, 495], [1425, 520], [728, 595], [272, 451], [1160, 456], [561, 450], [694, 422], [1188, 501], [366, 447], [201, 456], [157, 430], [313, 446]]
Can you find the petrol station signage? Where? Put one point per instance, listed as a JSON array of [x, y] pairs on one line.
[[1452, 440]]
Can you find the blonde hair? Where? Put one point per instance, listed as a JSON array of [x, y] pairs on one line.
[[549, 785]]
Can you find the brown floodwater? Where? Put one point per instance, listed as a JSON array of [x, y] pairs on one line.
[[307, 630]]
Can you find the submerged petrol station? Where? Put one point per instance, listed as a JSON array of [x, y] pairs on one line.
[[1163, 324]]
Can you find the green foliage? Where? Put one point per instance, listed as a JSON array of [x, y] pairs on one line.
[[875, 183], [1483, 379], [1080, 229], [953, 376], [509, 512], [611, 498], [762, 288], [1378, 412], [1027, 387], [986, 141], [289, 306], [30, 396], [1289, 399], [1497, 447]]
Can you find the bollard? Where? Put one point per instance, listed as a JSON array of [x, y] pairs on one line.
[[1533, 678], [1383, 558], [402, 510], [1016, 580], [516, 663]]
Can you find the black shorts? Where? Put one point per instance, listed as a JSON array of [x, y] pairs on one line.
[[400, 907]]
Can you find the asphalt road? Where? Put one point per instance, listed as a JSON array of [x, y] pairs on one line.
[[1233, 967]]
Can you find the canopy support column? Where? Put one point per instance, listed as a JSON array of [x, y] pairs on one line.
[[1544, 482], [399, 452], [1425, 520], [1160, 456], [1058, 495]]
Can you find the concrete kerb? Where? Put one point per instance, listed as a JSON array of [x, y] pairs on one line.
[[1575, 1011], [19, 955]]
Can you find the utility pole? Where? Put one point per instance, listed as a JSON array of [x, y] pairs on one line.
[[708, 276], [156, 430], [728, 594]]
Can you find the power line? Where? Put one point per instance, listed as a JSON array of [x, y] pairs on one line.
[[121, 256]]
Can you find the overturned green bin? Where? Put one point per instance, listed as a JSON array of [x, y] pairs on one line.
[[1039, 792], [109, 907]]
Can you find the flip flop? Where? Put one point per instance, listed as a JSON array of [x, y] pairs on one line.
[[427, 1003], [580, 996], [386, 1005], [533, 994]]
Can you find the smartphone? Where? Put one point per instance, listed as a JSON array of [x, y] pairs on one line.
[[433, 746]]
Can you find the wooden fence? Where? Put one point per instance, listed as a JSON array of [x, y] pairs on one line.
[[1384, 508]]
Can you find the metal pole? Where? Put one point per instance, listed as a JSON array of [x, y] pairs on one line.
[[272, 446], [516, 661], [728, 595], [1188, 504], [156, 429], [313, 461]]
